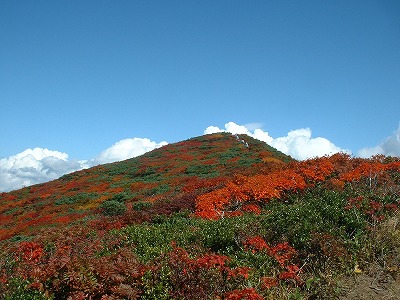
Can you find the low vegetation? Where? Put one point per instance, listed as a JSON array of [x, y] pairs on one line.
[[201, 224]]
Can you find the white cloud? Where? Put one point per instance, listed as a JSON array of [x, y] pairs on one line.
[[212, 129], [297, 143], [389, 147], [125, 149], [253, 126], [34, 166]]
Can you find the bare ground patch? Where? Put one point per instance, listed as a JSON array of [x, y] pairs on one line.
[[376, 284]]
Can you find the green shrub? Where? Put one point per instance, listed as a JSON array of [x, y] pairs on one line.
[[121, 197], [113, 208], [248, 161], [78, 198], [156, 285], [317, 210], [220, 235], [18, 290], [202, 171], [160, 189], [138, 206], [127, 167]]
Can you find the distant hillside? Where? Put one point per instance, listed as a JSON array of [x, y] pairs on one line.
[[168, 174]]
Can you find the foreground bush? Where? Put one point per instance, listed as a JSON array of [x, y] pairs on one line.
[[298, 235]]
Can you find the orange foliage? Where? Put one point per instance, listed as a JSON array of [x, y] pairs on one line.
[[139, 185], [268, 282], [68, 218], [336, 184], [246, 294], [260, 188], [317, 169], [5, 234], [4, 197], [365, 169], [5, 218], [94, 203], [115, 190], [251, 208], [335, 171], [98, 187], [30, 251]]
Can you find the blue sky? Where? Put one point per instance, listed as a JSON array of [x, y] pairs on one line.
[[79, 77]]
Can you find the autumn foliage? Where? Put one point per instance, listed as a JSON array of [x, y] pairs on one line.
[[261, 188], [214, 217]]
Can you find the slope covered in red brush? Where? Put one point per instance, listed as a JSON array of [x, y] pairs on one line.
[[169, 177], [214, 217]]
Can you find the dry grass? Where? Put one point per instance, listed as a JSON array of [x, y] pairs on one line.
[[379, 259]]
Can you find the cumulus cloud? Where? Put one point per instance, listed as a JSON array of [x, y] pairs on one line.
[[125, 149], [34, 166], [212, 129], [39, 165], [389, 147], [297, 143]]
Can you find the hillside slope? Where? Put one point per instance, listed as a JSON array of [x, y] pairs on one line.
[[214, 217], [182, 169]]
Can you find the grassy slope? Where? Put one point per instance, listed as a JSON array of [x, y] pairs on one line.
[[284, 229]]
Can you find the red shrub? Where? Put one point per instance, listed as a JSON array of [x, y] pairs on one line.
[[246, 294]]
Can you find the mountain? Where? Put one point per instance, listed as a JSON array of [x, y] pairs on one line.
[[218, 216], [164, 175]]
